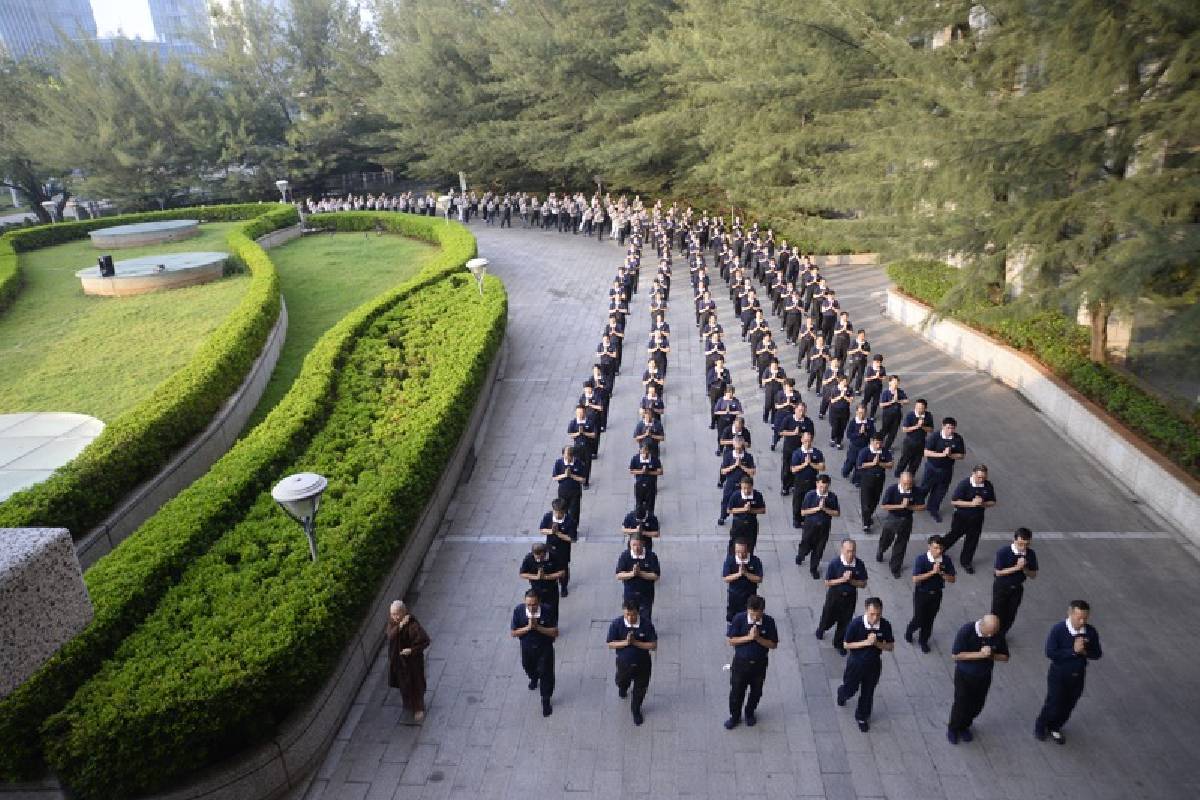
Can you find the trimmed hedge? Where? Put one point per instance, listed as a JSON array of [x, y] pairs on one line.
[[127, 584], [254, 627], [1061, 345], [136, 445]]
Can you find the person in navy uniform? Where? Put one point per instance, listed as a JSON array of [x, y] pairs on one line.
[[640, 522], [638, 570], [971, 497], [633, 638], [807, 462], [817, 511], [645, 467], [873, 386], [742, 573], [932, 570], [736, 463], [942, 449], [560, 532], [891, 404], [724, 411], [752, 635], [1069, 646], [543, 571], [856, 360], [569, 474], [844, 576], [786, 400], [649, 431], [536, 625], [916, 427], [872, 465], [859, 433], [790, 433], [718, 381], [867, 638], [900, 500], [745, 505], [977, 647], [1014, 564], [585, 440]]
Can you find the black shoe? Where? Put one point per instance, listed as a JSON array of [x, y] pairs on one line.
[[720, 520], [867, 529], [731, 723], [638, 719], [784, 492], [799, 559], [772, 446], [1058, 737], [896, 574], [565, 592], [937, 517], [879, 557], [966, 735], [908, 635], [970, 569], [622, 692], [820, 634], [533, 684], [815, 576], [951, 736], [862, 725], [751, 720], [841, 650], [841, 698], [924, 647], [546, 709], [1039, 734]]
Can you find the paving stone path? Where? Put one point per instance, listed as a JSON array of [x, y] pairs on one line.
[[1134, 734]]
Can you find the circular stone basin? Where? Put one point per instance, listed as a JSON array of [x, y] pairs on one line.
[[143, 233], [154, 274]]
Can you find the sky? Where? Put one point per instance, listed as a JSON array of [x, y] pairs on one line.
[[129, 17]]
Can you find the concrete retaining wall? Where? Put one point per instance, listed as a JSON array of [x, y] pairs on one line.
[[195, 458], [848, 260], [1166, 488]]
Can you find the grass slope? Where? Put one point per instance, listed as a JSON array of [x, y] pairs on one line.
[[61, 350], [322, 278]]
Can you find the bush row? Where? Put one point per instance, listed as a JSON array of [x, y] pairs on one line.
[[137, 444], [1057, 341], [254, 627], [127, 584]]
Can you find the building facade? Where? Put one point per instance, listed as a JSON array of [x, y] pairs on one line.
[[31, 28]]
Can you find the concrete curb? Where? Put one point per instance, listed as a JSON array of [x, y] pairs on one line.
[[1163, 486], [199, 454], [289, 760]]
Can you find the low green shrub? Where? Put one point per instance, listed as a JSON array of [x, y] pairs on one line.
[[1057, 341], [253, 627], [10, 273], [127, 584], [137, 444]]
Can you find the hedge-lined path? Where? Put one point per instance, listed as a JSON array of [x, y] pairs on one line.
[[485, 736]]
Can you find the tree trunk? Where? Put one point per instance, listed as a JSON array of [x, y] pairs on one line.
[[1100, 312]]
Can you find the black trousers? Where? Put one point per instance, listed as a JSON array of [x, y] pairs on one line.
[[911, 454], [562, 554], [538, 662], [812, 542], [970, 693], [837, 613], [861, 675], [968, 527], [800, 487], [870, 397], [745, 526], [572, 501], [645, 493], [894, 534], [925, 609], [636, 673], [889, 425], [871, 487], [1005, 602], [745, 674], [1063, 689], [785, 465], [838, 419]]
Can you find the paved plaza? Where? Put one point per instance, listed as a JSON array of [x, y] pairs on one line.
[[1135, 733]]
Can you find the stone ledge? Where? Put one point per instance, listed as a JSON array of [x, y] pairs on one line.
[[1165, 487]]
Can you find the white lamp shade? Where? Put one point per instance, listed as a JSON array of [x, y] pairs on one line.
[[281, 185], [478, 266], [300, 495]]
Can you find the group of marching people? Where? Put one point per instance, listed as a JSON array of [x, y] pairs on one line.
[[865, 410]]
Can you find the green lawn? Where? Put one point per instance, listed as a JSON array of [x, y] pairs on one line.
[[63, 351], [324, 277]]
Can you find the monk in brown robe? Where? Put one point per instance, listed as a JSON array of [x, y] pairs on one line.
[[406, 642]]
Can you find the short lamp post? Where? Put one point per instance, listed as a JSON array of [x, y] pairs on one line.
[[299, 496], [283, 187], [478, 267]]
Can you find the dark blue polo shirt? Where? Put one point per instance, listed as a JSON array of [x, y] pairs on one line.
[[742, 587], [865, 455], [1060, 648], [724, 406], [655, 428], [569, 487], [753, 651], [535, 640], [577, 429], [544, 588], [965, 491], [935, 443], [857, 631], [650, 523], [836, 569], [727, 460], [756, 501], [809, 473], [859, 432], [645, 480], [922, 564], [892, 496], [886, 396], [793, 428], [567, 526], [812, 500], [967, 640], [1006, 559], [618, 631], [919, 435], [638, 588]]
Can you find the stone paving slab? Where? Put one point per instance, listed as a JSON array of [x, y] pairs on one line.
[[34, 444], [484, 736]]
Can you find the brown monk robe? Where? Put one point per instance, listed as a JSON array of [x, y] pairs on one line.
[[406, 641]]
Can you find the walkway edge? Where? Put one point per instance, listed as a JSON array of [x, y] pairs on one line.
[[291, 757], [1156, 481]]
